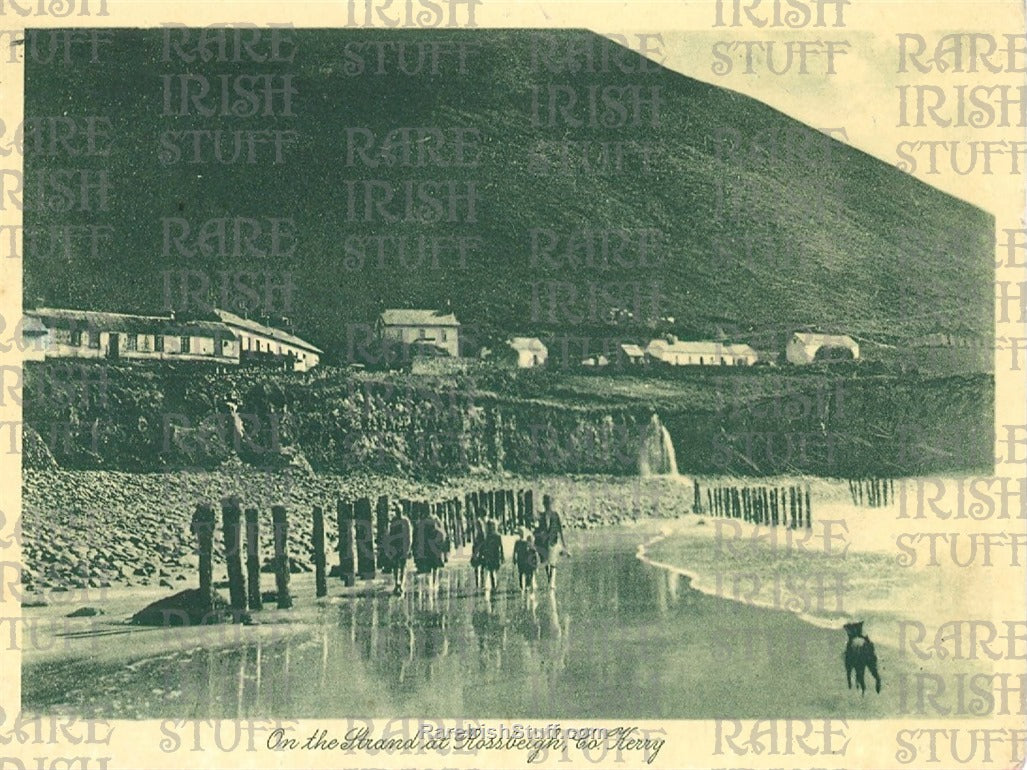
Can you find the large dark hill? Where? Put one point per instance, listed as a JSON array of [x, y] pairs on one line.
[[765, 223]]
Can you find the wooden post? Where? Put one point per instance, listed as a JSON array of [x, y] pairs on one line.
[[468, 517], [793, 503], [365, 538], [203, 529], [809, 511], [347, 543], [458, 517], [709, 500], [230, 513], [381, 526], [775, 508], [511, 510], [529, 508], [256, 602], [280, 523], [696, 497], [520, 508], [318, 537]]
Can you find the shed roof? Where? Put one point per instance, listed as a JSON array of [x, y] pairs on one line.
[[129, 323], [700, 348], [634, 351], [256, 327], [816, 339], [410, 317], [527, 343]]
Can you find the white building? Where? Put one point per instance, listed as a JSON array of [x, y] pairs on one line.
[[421, 328], [633, 354], [260, 342], [681, 353], [96, 334], [806, 348], [35, 338], [531, 351], [66, 333]]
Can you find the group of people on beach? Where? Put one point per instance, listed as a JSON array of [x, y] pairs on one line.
[[533, 549]]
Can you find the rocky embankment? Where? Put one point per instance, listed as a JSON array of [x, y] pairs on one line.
[[93, 529]]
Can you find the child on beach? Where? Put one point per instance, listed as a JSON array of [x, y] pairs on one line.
[[492, 552], [525, 557]]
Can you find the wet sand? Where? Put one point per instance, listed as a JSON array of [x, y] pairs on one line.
[[618, 638]]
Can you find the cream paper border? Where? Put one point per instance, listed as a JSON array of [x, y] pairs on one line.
[[870, 119]]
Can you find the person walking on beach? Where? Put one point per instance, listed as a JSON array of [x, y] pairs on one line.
[[548, 533], [525, 558], [492, 552], [436, 544], [477, 543], [398, 542]]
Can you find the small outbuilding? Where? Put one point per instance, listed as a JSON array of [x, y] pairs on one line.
[[808, 348], [531, 351]]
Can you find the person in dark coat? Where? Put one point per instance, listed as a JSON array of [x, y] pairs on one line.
[[525, 558], [436, 548], [492, 552], [548, 533], [396, 550]]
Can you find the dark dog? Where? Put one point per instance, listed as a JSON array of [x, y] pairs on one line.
[[860, 655]]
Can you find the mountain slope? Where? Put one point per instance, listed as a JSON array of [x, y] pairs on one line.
[[788, 229]]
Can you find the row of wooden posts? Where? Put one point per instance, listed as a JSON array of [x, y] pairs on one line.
[[362, 532], [874, 493], [773, 506]]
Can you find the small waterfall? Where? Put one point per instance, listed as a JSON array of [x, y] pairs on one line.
[[656, 455]]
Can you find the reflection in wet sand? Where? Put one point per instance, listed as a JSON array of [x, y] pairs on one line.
[[644, 644]]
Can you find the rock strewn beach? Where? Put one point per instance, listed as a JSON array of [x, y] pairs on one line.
[[93, 529]]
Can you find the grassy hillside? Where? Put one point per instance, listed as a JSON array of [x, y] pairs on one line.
[[765, 223]]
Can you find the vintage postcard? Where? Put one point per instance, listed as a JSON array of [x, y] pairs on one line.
[[458, 383]]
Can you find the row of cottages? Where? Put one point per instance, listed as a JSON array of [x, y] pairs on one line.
[[677, 352], [65, 333]]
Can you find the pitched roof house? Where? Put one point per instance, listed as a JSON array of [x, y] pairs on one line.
[[441, 330]]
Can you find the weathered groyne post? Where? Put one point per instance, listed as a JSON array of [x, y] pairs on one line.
[[318, 544], [381, 527], [364, 524], [203, 529], [280, 523], [347, 542], [254, 599], [230, 522]]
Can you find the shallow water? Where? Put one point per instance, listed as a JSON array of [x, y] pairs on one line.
[[616, 639]]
